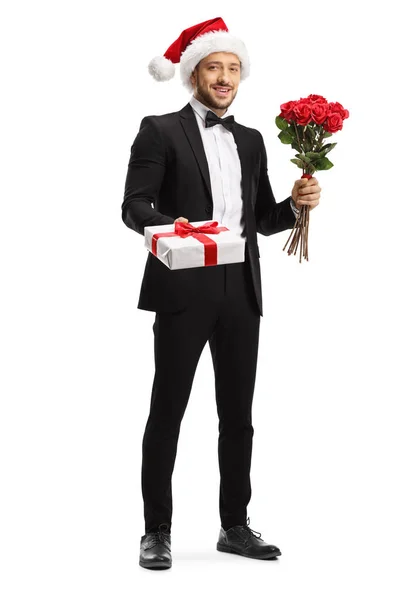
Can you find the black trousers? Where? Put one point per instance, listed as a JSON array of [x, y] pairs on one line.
[[225, 314]]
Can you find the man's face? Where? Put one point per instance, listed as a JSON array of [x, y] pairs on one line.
[[219, 69]]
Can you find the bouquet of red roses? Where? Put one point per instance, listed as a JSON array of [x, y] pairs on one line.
[[305, 124]]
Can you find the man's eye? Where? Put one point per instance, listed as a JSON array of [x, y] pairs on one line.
[[232, 69]]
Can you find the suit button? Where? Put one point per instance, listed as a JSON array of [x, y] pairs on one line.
[[208, 210]]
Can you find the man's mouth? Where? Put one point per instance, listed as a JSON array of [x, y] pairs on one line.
[[221, 91]]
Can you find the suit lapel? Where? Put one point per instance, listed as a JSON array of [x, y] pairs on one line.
[[191, 129], [245, 155]]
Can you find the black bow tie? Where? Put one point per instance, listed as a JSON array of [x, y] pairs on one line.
[[213, 119]]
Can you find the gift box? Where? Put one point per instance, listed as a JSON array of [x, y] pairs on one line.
[[198, 244]]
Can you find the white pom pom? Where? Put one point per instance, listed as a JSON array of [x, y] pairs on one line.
[[161, 68]]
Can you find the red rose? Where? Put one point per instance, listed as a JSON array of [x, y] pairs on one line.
[[315, 98], [302, 112], [287, 110], [319, 112], [333, 123], [336, 107]]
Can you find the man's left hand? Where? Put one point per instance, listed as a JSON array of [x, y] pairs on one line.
[[306, 191]]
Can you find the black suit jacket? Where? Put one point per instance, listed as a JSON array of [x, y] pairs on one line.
[[168, 177]]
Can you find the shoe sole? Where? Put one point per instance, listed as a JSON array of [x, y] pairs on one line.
[[223, 548], [155, 565]]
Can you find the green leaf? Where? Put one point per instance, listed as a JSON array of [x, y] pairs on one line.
[[323, 164], [285, 137], [311, 131], [292, 132], [298, 162], [295, 146], [327, 148], [304, 158], [314, 155], [281, 123]]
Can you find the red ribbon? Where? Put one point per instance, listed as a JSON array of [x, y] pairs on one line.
[[183, 230]]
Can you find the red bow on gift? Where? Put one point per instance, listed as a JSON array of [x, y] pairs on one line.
[[185, 229]]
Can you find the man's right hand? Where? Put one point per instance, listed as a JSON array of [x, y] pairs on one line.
[[182, 219]]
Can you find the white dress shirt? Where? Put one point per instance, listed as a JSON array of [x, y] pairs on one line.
[[225, 169]]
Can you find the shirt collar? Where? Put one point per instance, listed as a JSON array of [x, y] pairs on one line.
[[201, 109]]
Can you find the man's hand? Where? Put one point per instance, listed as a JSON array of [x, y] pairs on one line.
[[182, 219], [306, 191]]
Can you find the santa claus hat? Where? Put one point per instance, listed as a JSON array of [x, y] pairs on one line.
[[194, 44]]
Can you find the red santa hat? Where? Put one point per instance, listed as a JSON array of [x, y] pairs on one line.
[[194, 44]]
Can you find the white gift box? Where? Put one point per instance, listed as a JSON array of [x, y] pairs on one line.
[[197, 250]]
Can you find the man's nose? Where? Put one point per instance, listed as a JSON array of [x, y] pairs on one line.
[[225, 74]]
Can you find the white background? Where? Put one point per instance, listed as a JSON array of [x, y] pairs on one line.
[[77, 355]]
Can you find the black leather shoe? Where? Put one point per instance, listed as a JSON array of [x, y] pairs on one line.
[[155, 549], [242, 540]]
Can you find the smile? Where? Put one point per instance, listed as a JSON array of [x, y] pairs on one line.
[[221, 91]]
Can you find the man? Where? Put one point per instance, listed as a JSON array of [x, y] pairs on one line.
[[192, 167]]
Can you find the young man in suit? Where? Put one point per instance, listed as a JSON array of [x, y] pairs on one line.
[[193, 165]]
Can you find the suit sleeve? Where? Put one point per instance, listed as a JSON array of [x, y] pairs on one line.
[[145, 175], [271, 217]]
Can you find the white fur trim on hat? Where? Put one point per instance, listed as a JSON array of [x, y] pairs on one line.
[[161, 68], [203, 45]]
